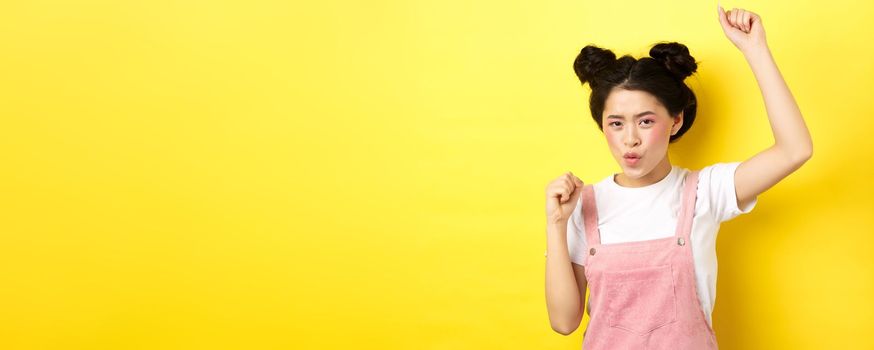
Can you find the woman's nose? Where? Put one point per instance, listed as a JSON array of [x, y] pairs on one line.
[[631, 139]]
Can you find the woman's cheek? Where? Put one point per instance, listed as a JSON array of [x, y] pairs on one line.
[[659, 130], [613, 139]]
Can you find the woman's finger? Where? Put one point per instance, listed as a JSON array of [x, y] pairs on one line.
[[723, 20], [746, 21], [734, 13], [724, 17], [754, 19], [578, 181]]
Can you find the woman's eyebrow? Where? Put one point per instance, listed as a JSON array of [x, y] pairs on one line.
[[616, 116]]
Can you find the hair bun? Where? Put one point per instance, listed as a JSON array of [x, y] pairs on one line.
[[675, 57], [590, 61]]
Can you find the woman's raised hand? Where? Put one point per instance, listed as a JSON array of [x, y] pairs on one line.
[[743, 28], [561, 197]]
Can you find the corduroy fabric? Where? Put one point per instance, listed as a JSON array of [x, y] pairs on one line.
[[642, 294]]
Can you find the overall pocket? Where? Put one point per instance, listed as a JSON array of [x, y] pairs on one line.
[[641, 300]]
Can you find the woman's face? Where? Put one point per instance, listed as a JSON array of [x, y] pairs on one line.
[[636, 122]]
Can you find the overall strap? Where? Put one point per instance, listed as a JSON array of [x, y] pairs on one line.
[[590, 216], [687, 210]]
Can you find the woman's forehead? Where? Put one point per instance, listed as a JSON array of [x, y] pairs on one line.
[[628, 103]]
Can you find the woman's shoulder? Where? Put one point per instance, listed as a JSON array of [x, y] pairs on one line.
[[713, 170], [603, 183], [718, 172], [720, 165]]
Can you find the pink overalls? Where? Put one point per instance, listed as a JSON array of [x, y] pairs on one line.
[[643, 294]]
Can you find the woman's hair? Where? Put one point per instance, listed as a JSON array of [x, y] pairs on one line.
[[661, 75]]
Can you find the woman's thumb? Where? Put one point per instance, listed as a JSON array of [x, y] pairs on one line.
[[722, 20], [577, 189]]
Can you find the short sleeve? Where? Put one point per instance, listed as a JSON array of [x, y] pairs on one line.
[[719, 182], [576, 235]]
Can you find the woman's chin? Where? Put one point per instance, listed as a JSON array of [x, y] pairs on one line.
[[632, 172]]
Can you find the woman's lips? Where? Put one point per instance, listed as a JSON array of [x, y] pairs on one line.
[[631, 160]]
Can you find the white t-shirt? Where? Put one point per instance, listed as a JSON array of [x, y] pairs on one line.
[[628, 214]]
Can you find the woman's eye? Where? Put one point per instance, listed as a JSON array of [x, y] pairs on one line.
[[617, 123], [648, 120]]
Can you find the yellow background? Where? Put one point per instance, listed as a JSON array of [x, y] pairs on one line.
[[370, 174]]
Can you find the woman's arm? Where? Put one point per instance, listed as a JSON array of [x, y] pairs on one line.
[[792, 144], [565, 281]]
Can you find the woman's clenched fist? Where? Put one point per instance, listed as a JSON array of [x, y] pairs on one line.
[[561, 197]]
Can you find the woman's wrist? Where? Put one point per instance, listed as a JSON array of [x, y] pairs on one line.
[[757, 52], [556, 237], [556, 219], [558, 228]]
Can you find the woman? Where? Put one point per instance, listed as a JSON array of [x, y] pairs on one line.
[[643, 241]]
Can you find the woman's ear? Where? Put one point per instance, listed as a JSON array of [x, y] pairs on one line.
[[678, 123]]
